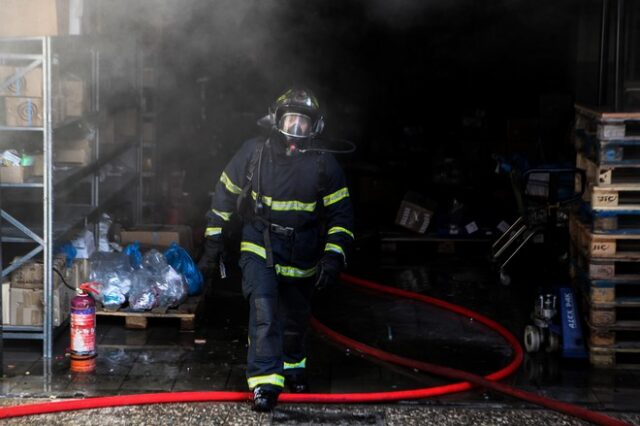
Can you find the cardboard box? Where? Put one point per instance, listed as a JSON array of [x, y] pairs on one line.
[[14, 174], [78, 273], [31, 274], [21, 18], [158, 236], [74, 94], [23, 112], [29, 18], [6, 303], [415, 213], [38, 165], [28, 85], [77, 152], [27, 305]]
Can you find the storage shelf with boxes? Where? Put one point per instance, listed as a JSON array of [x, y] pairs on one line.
[[66, 174]]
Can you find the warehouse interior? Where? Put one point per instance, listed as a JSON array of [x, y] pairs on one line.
[[495, 168]]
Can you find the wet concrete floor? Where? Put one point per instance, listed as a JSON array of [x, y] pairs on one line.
[[162, 359]]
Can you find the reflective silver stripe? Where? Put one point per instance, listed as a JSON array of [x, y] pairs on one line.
[[231, 187], [333, 198], [212, 231], [334, 247], [336, 229], [253, 248], [293, 272], [290, 365], [222, 215], [270, 379], [290, 205]]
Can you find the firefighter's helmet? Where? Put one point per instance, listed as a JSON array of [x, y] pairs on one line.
[[296, 114]]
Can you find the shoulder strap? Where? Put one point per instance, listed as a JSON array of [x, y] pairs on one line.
[[322, 174], [254, 162]]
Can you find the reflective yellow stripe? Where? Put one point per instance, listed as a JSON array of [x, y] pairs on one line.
[[336, 229], [253, 248], [283, 206], [231, 187], [340, 194], [284, 270], [290, 365], [293, 205], [265, 199], [212, 231], [271, 379], [293, 272], [334, 247], [223, 215]]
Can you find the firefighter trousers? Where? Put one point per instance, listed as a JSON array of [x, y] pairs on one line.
[[279, 310]]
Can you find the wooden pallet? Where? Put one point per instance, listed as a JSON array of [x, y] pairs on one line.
[[616, 316], [614, 246], [608, 152], [615, 338], [186, 313], [616, 197], [607, 294], [614, 357], [608, 222], [606, 269], [607, 125], [599, 175]]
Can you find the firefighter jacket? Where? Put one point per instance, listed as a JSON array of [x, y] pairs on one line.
[[306, 207]]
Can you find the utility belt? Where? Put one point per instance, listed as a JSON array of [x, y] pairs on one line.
[[267, 228]]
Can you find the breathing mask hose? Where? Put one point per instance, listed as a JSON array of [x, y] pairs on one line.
[[470, 380]]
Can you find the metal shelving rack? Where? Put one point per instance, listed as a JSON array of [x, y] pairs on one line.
[[60, 219], [148, 147]]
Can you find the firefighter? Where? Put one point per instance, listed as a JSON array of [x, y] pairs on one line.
[[297, 224]]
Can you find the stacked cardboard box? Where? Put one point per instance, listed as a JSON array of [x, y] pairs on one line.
[[26, 295]]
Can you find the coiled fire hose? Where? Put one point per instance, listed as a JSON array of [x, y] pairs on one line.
[[468, 380]]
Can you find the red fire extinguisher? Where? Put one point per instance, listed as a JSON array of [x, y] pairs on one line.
[[83, 330]]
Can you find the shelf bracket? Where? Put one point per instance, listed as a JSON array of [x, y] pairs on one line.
[[18, 75], [20, 226], [15, 265]]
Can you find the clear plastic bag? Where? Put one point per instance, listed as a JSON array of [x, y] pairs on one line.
[[154, 262], [103, 233], [112, 272], [144, 294], [180, 260], [173, 288]]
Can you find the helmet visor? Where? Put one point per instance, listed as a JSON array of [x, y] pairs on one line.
[[295, 125]]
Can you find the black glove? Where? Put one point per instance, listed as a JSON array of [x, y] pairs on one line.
[[210, 261], [328, 270]]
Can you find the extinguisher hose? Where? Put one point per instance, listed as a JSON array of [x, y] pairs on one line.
[[468, 379]]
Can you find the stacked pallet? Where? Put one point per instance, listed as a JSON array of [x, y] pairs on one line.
[[606, 234]]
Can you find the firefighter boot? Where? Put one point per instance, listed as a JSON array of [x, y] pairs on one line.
[[264, 398]]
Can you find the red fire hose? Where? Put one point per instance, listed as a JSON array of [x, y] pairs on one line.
[[469, 379]]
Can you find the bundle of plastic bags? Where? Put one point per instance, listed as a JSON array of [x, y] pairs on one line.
[[154, 280]]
